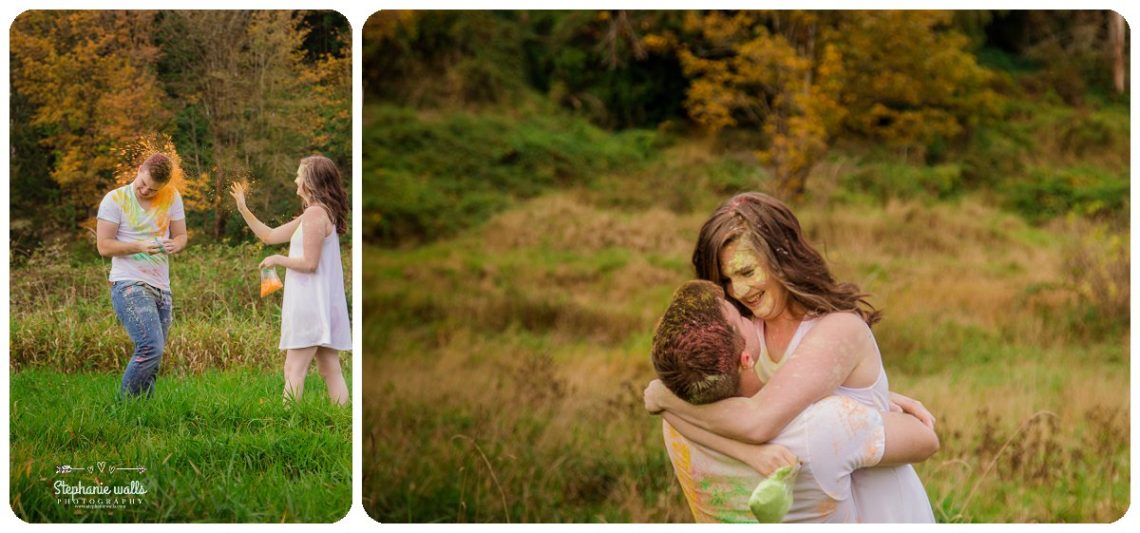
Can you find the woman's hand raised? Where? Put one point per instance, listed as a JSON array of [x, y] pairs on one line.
[[238, 190]]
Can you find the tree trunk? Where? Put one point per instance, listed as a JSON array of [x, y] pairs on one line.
[[793, 184], [219, 212], [1116, 29]]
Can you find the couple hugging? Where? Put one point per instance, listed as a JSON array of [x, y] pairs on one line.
[[767, 364], [141, 225]]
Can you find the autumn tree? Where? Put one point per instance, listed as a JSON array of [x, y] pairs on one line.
[[768, 71], [903, 78], [236, 94], [90, 82], [909, 78], [328, 78]]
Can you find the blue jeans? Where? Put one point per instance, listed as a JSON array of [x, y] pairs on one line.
[[144, 310]]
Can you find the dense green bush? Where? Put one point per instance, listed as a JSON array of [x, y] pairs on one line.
[[1085, 190], [887, 179], [430, 175]]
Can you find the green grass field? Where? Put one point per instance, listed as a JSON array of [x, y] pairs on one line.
[[217, 447], [217, 442], [504, 363]]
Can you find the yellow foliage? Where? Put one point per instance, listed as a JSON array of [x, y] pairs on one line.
[[193, 190], [388, 23], [909, 80], [800, 78], [656, 44], [762, 77], [91, 76], [330, 82]]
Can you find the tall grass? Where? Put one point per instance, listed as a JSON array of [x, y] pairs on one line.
[[504, 366], [219, 320]]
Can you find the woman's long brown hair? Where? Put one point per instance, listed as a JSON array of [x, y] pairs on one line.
[[775, 233], [322, 180]]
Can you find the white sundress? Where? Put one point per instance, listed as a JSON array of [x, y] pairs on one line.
[[314, 311], [883, 494]]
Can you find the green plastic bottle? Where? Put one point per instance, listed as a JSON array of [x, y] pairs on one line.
[[772, 497]]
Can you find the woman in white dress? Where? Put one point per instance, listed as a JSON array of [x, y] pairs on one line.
[[815, 338], [314, 312]]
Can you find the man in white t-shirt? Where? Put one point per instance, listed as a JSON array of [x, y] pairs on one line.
[[140, 225], [705, 351]]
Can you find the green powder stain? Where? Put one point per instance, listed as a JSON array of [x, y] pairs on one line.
[[725, 498]]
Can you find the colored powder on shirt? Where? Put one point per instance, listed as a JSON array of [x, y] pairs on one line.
[[720, 495], [684, 465], [138, 218], [160, 205]]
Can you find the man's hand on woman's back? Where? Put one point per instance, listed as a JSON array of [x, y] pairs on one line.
[[651, 396]]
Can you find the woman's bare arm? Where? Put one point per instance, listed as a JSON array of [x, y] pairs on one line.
[[279, 235], [821, 363], [908, 440], [315, 226]]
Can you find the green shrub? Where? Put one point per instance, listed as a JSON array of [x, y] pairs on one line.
[[886, 179], [994, 153], [1084, 190], [1084, 132], [1097, 267], [429, 176]]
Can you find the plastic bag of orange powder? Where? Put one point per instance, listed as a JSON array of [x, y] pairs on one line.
[[270, 283]]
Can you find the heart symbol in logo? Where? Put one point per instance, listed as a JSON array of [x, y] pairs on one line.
[[102, 465]]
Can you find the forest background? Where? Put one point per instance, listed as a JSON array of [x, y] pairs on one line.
[[240, 95], [535, 182]]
